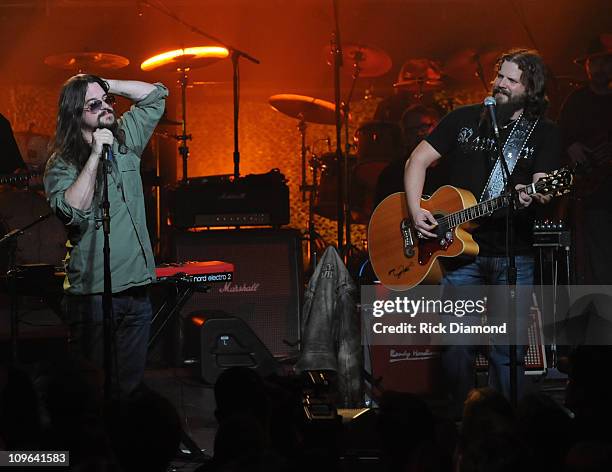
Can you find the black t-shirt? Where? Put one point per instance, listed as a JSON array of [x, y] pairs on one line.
[[467, 145]]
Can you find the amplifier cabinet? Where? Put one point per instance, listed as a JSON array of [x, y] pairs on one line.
[[267, 288]]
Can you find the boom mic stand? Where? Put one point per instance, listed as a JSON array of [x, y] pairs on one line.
[[236, 55]]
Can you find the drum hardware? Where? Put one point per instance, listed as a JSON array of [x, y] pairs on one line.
[[182, 61], [86, 61], [419, 76], [307, 110], [372, 61], [235, 54], [469, 64], [366, 61]]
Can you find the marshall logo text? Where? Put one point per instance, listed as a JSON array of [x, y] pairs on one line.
[[230, 287]]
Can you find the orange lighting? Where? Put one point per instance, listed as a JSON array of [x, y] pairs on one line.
[[186, 58], [196, 320]]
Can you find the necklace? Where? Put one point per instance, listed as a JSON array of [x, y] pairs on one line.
[[511, 122]]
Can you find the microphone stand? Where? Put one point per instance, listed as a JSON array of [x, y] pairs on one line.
[[511, 274], [336, 45], [236, 54], [107, 297], [347, 153]]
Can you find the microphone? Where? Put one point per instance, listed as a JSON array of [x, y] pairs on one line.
[[490, 103], [107, 152]]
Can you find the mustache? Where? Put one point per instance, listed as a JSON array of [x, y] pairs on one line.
[[106, 112], [104, 115], [502, 91]]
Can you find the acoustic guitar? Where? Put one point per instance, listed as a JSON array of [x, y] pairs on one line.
[[402, 260]]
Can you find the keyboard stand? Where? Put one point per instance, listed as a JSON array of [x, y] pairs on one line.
[[182, 289]]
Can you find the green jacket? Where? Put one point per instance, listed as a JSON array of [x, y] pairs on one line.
[[132, 262]]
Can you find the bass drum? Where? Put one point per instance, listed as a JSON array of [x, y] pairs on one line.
[[44, 242], [378, 144], [326, 201]]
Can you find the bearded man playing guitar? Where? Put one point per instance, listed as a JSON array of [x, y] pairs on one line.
[[532, 146]]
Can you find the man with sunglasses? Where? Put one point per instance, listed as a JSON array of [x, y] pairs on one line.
[[73, 181]]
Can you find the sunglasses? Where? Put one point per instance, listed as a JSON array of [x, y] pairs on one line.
[[96, 105]]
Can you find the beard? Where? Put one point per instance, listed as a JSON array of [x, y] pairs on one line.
[[506, 108], [103, 121], [112, 125]]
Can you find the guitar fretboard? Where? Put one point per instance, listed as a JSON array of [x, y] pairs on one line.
[[481, 209]]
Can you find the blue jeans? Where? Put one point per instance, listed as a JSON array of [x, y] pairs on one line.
[[458, 361], [132, 323]]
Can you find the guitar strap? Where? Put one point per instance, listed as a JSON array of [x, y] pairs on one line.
[[513, 147]]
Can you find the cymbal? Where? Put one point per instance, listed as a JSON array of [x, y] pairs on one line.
[[302, 107], [465, 66], [420, 75], [83, 61], [372, 61], [186, 58]]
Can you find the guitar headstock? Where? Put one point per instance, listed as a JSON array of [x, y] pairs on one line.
[[557, 183]]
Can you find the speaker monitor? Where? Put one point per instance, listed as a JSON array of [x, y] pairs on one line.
[[227, 341], [267, 286]]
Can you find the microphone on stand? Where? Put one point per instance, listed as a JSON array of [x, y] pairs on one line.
[[490, 103], [107, 157], [107, 152]]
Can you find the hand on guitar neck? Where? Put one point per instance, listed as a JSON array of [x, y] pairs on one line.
[[426, 224]]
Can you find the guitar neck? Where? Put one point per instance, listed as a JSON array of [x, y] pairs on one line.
[[17, 178], [484, 208]]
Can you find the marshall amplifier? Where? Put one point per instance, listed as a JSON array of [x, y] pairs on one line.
[[266, 290], [215, 201]]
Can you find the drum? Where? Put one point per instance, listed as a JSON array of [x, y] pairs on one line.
[[326, 201], [44, 242], [378, 144]]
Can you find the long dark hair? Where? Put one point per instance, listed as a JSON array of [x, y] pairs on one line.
[[533, 77], [68, 143]]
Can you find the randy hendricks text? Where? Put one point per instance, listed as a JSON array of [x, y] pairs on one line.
[[452, 327]]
